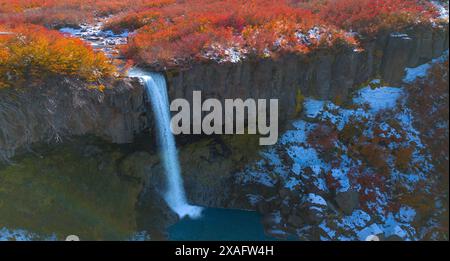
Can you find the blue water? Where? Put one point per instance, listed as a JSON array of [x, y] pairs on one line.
[[220, 224]]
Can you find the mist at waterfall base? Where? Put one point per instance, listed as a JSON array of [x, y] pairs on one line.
[[175, 196]]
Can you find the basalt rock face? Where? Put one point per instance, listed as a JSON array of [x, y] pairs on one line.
[[47, 113], [63, 107], [206, 167], [325, 74]]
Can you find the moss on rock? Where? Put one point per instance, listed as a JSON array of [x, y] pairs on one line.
[[73, 189]]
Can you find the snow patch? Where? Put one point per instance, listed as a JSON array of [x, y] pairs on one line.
[[313, 107], [381, 98], [412, 74], [316, 199]]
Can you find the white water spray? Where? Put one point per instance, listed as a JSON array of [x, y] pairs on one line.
[[155, 85]]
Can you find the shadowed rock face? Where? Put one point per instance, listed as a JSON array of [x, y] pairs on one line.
[[64, 107], [207, 167], [72, 188], [325, 74]]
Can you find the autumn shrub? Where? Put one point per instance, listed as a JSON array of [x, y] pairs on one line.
[[369, 16], [58, 13], [403, 157], [224, 30], [375, 156], [323, 137], [131, 21], [352, 131], [429, 100], [30, 53], [175, 33]]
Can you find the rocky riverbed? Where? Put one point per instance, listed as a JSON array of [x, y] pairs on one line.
[[101, 40]]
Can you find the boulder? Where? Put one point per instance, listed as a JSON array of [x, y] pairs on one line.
[[295, 221], [347, 201]]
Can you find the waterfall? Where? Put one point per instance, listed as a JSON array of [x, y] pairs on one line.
[[175, 196]]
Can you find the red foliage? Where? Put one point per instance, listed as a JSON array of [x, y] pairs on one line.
[[323, 137], [171, 32], [57, 13], [369, 16], [429, 100]]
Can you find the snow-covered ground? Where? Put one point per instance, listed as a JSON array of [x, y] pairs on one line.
[[25, 235], [21, 235], [443, 10], [297, 165]]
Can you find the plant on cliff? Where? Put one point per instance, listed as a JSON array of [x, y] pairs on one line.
[[30, 53]]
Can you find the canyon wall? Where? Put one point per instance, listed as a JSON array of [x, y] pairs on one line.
[[62, 107], [324, 74]]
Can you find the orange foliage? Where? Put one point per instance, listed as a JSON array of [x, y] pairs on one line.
[[369, 16], [376, 157], [58, 13], [323, 138], [260, 27], [29, 53], [176, 32], [197, 29], [404, 157], [429, 101]]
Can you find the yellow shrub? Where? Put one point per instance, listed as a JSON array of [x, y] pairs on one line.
[[30, 53]]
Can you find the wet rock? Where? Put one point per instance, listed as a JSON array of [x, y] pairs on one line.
[[207, 173], [100, 39], [273, 225], [207, 168]]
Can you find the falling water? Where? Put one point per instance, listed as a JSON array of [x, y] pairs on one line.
[[175, 196]]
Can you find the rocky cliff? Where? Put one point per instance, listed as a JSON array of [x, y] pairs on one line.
[[325, 74], [63, 107]]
